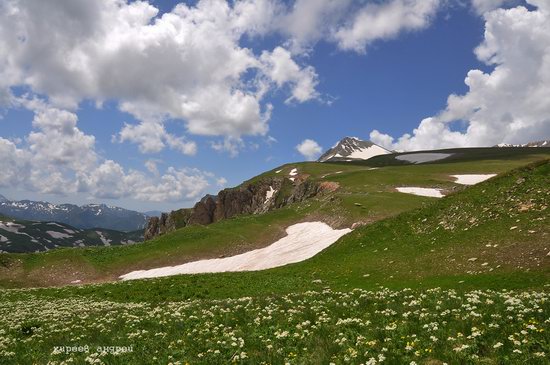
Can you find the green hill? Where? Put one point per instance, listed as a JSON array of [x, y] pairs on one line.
[[458, 280], [365, 195], [20, 236]]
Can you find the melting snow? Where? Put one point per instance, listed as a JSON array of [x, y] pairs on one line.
[[269, 194], [11, 227], [472, 179], [14, 228], [103, 239], [3, 239], [303, 241], [431, 192], [278, 171], [423, 157], [58, 234], [293, 172], [369, 152], [55, 224]]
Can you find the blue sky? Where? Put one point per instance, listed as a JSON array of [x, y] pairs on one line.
[[348, 74]]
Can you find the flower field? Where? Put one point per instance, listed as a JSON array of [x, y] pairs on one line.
[[433, 326]]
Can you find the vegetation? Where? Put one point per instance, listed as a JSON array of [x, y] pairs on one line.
[[319, 327], [458, 280], [365, 196]]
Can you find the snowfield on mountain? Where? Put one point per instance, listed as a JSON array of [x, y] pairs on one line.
[[303, 240], [431, 192], [472, 179], [353, 148], [422, 157]]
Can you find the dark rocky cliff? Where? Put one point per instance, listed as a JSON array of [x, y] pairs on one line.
[[254, 198]]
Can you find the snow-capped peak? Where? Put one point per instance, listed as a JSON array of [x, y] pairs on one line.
[[353, 148], [543, 143]]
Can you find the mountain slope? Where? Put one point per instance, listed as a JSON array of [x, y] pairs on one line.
[[541, 143], [352, 148], [83, 217], [29, 236], [364, 196], [460, 281]]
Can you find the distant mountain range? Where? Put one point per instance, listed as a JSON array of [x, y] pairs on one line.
[[28, 236], [82, 217], [544, 143], [353, 148]]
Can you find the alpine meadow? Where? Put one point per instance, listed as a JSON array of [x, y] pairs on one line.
[[181, 183]]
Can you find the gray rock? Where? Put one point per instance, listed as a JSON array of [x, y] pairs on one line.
[[245, 199]]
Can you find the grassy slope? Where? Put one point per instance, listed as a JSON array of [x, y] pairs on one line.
[[372, 189], [429, 247]]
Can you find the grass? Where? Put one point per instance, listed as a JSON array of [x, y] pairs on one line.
[[484, 237], [459, 280], [322, 326], [364, 196]]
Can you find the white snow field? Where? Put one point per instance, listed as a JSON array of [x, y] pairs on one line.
[[293, 173], [472, 179], [303, 241], [269, 194], [55, 234], [431, 192], [423, 157], [366, 153]]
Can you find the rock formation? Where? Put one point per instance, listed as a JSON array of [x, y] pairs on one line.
[[252, 198]]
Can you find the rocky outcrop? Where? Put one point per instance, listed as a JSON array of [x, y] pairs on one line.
[[253, 198], [167, 222]]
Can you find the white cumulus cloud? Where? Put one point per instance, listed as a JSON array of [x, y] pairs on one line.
[[309, 149], [187, 64], [384, 21], [506, 105], [58, 158]]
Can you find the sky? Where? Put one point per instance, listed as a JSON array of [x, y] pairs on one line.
[[151, 105]]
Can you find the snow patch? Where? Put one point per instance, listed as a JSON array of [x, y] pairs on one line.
[[12, 227], [472, 179], [293, 172], [366, 153], [269, 194], [423, 157], [431, 192], [55, 224], [55, 234], [103, 239], [303, 241], [3, 239], [278, 171]]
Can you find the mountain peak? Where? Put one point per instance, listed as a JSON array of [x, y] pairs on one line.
[[542, 143], [3, 198], [352, 148]]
